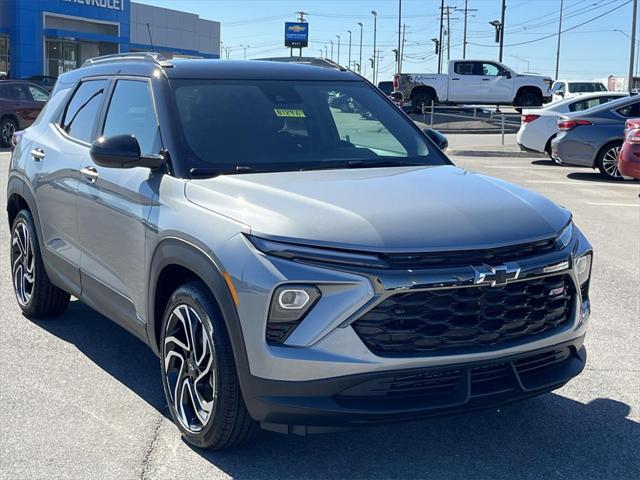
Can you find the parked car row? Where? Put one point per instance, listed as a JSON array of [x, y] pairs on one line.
[[589, 130], [20, 104]]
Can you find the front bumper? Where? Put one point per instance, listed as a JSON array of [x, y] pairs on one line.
[[399, 395]]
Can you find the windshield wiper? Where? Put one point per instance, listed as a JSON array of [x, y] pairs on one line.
[[365, 164], [210, 172]]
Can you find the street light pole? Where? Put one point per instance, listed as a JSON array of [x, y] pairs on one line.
[[331, 42], [245, 50], [375, 32], [326, 52], [338, 62], [360, 59], [504, 7], [633, 43], [559, 33], [349, 64]]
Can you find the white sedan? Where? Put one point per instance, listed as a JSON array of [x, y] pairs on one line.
[[539, 125]]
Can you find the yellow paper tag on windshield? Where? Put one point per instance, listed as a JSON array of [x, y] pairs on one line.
[[286, 112]]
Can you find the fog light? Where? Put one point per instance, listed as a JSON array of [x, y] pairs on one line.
[[583, 268], [293, 299]]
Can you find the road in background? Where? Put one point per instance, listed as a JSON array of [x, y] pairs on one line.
[[81, 398]]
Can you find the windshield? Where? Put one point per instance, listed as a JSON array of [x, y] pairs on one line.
[[586, 87], [264, 126]]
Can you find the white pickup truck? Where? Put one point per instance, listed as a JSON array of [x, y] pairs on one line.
[[475, 82]]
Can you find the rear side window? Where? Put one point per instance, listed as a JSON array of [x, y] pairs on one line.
[[15, 92], [131, 112], [464, 68], [589, 103], [628, 111], [82, 111]]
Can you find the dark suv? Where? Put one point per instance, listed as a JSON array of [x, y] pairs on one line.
[[298, 267]]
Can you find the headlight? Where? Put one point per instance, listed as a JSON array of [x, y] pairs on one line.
[[565, 236], [583, 268], [289, 305], [293, 251]]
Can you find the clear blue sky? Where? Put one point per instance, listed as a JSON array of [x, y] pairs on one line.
[[594, 50]]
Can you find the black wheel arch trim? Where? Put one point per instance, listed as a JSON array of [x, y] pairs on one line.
[[192, 255]]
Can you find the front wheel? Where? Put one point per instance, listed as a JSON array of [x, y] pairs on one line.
[[528, 99], [8, 127], [36, 295], [199, 373], [607, 161]]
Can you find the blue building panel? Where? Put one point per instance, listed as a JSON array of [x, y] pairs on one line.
[[23, 22]]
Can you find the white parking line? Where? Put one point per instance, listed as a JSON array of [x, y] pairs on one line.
[[580, 183], [614, 204]]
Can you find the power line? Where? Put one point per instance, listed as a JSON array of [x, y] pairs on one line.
[[563, 31]]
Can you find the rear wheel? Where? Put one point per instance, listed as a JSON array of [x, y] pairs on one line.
[[35, 293], [8, 127], [199, 373], [607, 161], [421, 99]]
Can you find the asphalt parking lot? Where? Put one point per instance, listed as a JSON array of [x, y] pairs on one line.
[[81, 398]]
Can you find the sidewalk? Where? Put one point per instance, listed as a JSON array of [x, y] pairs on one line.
[[486, 145]]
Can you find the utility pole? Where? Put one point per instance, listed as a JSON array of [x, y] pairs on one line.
[[440, 37], [448, 33], [338, 62], [300, 19], [464, 35], [633, 43], [245, 50], [399, 40], [404, 31], [349, 48], [504, 7], [559, 33], [360, 58], [375, 32]]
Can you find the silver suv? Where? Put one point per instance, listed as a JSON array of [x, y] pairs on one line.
[[295, 265]]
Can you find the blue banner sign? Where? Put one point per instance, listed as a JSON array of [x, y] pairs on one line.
[[296, 34]]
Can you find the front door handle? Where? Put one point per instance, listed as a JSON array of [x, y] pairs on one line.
[[486, 79], [37, 154], [90, 173], [455, 79]]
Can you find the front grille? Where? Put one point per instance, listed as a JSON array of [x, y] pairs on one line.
[[463, 258], [467, 319]]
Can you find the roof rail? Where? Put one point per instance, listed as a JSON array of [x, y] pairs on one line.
[[315, 61], [151, 57]]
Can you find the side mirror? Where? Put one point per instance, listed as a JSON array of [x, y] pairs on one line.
[[439, 139], [507, 74], [561, 93], [122, 151], [397, 96]]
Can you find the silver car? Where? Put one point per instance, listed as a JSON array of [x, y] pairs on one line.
[[294, 266], [593, 138]]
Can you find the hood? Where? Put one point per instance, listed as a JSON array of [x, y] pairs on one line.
[[382, 209]]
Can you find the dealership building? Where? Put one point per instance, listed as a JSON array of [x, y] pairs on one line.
[[49, 37]]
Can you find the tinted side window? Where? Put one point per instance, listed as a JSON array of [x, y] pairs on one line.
[[82, 111], [589, 103], [632, 110], [464, 68], [131, 112]]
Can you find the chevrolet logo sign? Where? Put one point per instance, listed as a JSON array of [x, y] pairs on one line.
[[297, 28], [496, 276]]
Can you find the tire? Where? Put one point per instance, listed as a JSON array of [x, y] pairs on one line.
[[607, 160], [36, 295], [528, 99], [547, 149], [204, 369], [419, 99], [8, 127]]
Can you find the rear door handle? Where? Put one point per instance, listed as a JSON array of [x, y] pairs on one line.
[[486, 79], [90, 173], [37, 154], [455, 79]]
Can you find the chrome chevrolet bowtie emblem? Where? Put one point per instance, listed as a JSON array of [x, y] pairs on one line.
[[495, 276]]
